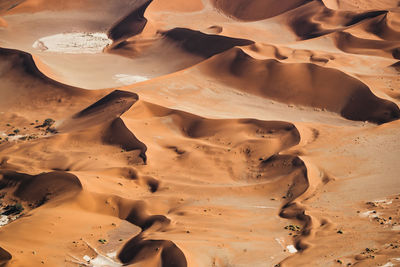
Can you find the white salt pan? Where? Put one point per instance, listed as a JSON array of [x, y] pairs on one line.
[[73, 43]]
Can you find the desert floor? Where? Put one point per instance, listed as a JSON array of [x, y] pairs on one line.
[[199, 133]]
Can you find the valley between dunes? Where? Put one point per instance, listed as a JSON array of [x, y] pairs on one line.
[[199, 133]]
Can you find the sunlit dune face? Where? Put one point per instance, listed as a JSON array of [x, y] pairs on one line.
[[73, 43], [199, 133]]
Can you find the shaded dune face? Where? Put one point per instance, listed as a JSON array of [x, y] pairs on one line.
[[364, 106], [235, 182], [383, 27], [4, 256], [118, 134], [139, 249], [7, 5], [302, 83], [205, 45], [352, 44], [314, 20], [16, 93], [40, 189], [132, 24], [257, 9]]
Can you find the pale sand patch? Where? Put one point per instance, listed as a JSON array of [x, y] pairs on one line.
[[101, 260], [396, 228], [127, 79], [370, 214], [73, 43]]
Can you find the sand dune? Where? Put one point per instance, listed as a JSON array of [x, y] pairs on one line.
[[132, 24], [119, 135], [384, 27], [39, 189], [256, 10], [4, 256], [15, 94], [320, 87], [102, 111], [230, 133], [138, 249], [314, 20], [195, 42], [352, 44]]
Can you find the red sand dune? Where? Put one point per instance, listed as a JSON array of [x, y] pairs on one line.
[[256, 10], [320, 87], [234, 133]]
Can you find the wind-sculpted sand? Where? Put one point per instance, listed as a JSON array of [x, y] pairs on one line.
[[199, 133]]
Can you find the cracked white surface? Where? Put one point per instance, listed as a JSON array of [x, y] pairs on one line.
[[73, 43]]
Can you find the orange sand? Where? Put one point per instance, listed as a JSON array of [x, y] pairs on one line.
[[252, 133]]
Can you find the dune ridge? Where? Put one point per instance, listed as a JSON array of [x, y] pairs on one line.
[[14, 93], [264, 135], [273, 165], [39, 189], [196, 42], [272, 79], [132, 24], [256, 10]]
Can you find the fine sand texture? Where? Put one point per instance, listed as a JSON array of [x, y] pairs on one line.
[[179, 133]]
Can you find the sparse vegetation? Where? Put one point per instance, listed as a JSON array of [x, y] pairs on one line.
[[48, 122], [293, 228], [13, 209], [103, 241]]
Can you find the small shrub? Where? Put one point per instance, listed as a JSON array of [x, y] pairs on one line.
[[48, 122]]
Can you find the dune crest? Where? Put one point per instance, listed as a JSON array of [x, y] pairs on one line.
[[205, 45], [272, 79], [15, 93], [265, 134], [132, 24], [256, 10]]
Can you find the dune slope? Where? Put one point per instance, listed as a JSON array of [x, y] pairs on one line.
[[215, 133]]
